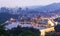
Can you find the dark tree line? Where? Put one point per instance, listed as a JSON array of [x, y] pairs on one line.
[[19, 31]]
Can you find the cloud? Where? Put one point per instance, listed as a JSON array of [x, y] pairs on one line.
[[14, 3]]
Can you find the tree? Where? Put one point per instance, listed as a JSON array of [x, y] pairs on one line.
[[2, 29], [57, 28], [51, 34], [19, 31], [23, 31]]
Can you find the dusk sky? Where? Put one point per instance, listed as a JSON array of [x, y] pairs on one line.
[[23, 3]]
